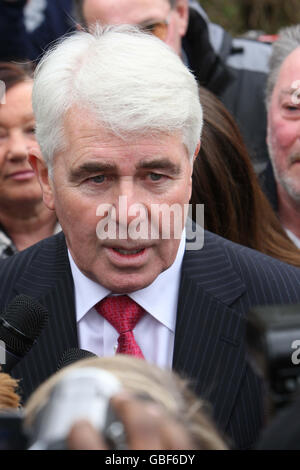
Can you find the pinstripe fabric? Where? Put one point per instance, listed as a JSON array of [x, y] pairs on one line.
[[219, 285]]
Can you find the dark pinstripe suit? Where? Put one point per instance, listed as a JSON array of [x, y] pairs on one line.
[[219, 285]]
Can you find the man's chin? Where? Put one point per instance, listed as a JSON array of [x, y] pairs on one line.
[[292, 187], [127, 283]]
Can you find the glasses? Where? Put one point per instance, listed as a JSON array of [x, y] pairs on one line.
[[158, 29]]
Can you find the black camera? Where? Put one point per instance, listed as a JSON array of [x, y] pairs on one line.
[[273, 339]]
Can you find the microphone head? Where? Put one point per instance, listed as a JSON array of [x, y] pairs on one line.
[[21, 323], [73, 355]]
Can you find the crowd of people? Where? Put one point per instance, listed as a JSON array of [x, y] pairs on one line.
[[116, 116]]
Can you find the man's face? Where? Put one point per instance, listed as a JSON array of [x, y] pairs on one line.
[[18, 183], [140, 12], [284, 127], [95, 169]]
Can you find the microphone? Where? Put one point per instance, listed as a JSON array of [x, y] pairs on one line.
[[20, 326], [73, 355]]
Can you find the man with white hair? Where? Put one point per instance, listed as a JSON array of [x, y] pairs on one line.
[[118, 120], [282, 185]]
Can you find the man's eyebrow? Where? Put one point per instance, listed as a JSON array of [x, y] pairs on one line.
[[29, 117], [149, 22], [89, 168], [160, 164]]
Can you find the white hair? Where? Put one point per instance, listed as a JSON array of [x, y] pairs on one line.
[[132, 83]]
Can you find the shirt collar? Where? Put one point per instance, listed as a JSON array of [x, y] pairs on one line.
[[159, 299]]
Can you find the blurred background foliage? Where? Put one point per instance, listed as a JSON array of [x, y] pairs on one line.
[[239, 16]]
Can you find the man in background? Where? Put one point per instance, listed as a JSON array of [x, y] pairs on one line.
[[28, 27], [281, 179]]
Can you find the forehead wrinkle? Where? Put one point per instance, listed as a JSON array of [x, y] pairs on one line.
[[131, 13]]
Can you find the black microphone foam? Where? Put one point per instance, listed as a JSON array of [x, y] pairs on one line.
[[72, 355], [20, 325]]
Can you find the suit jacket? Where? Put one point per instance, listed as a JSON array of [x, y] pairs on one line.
[[219, 284]]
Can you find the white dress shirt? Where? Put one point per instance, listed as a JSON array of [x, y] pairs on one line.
[[154, 333]]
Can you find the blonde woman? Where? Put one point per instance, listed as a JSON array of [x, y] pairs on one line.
[[157, 408]]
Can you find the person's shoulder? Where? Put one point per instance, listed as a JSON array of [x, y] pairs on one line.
[[24, 258], [244, 259], [238, 52], [251, 55], [231, 271]]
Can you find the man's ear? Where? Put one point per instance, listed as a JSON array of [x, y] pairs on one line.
[[41, 171], [182, 9], [197, 151]]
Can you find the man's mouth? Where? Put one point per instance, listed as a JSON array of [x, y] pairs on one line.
[[295, 159], [131, 252], [133, 257], [128, 252]]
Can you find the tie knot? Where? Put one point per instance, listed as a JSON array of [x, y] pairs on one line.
[[121, 312]]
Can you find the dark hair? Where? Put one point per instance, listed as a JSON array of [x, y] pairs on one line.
[[12, 74], [225, 182]]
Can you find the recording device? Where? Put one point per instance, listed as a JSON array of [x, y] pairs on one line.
[[273, 339], [83, 393], [73, 355], [20, 326]]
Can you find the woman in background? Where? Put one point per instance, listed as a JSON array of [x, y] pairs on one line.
[[225, 182], [24, 219]]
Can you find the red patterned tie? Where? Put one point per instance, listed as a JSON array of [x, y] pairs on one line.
[[123, 313]]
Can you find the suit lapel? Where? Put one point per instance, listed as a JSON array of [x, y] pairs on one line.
[[208, 346], [49, 280]]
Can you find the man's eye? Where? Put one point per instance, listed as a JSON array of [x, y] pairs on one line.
[[155, 176], [290, 107], [149, 28], [98, 179], [30, 130]]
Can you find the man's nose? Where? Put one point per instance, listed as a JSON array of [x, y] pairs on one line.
[[17, 148], [129, 202]]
